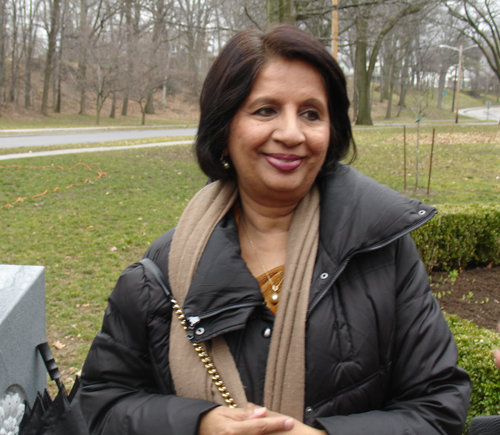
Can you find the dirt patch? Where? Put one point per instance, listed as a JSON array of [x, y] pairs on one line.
[[472, 294]]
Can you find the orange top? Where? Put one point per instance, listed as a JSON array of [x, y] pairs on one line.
[[275, 274]]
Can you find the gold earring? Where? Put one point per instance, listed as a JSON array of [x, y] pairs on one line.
[[225, 164]]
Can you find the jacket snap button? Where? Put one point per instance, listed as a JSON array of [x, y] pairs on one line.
[[309, 410], [200, 331], [422, 212], [324, 275], [267, 332]]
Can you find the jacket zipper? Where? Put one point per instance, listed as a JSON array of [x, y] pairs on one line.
[[379, 245], [194, 320]]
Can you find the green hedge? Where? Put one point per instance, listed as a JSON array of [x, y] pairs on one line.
[[459, 236], [475, 346]]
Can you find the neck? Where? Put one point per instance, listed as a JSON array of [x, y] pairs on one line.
[[264, 218]]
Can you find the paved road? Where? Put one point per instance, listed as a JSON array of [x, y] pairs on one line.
[[41, 139], [482, 113]]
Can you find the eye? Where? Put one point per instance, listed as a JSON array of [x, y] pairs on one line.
[[265, 111], [311, 115]]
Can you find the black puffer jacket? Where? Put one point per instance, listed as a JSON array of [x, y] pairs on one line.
[[380, 358]]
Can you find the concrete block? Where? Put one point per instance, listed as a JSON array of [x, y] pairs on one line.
[[22, 328]]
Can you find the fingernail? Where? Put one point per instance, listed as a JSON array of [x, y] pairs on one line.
[[288, 424], [259, 410]]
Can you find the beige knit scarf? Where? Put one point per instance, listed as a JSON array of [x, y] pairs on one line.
[[285, 373]]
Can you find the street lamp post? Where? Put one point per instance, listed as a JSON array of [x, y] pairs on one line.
[[460, 51]]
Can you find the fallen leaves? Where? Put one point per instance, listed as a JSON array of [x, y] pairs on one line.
[[58, 345]]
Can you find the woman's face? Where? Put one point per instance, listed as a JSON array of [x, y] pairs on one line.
[[280, 135]]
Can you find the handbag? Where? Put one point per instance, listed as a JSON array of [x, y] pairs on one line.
[[199, 348]]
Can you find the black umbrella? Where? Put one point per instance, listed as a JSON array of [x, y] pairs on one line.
[[61, 416]]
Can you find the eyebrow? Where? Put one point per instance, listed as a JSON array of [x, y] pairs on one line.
[[270, 100]]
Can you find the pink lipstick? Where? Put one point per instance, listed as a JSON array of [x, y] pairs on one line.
[[284, 162]]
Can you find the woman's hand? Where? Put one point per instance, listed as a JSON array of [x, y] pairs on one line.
[[248, 421], [299, 428]]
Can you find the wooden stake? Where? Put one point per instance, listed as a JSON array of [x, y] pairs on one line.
[[430, 163]]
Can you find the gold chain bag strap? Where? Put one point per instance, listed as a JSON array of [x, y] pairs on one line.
[[199, 348]]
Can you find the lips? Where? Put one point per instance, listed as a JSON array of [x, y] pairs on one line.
[[284, 162]]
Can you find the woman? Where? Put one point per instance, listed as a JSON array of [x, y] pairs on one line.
[[296, 272]]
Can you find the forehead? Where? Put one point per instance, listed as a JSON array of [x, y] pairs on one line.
[[289, 77]]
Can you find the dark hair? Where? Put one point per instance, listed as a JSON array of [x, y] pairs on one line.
[[230, 81]]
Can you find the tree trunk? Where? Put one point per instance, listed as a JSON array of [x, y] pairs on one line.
[[31, 38], [113, 106], [97, 113], [13, 55], [441, 83], [150, 109], [82, 55], [52, 37], [3, 23], [129, 31], [391, 90], [404, 82], [57, 108], [125, 103], [362, 77]]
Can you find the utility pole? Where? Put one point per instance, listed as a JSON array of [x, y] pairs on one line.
[[335, 29], [460, 51], [459, 80]]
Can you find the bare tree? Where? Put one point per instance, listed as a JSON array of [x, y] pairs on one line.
[[15, 55], [132, 12], [194, 17], [147, 76], [479, 21], [93, 17], [371, 23], [29, 31]]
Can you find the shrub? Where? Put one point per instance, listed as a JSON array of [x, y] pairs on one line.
[[459, 236], [475, 347]]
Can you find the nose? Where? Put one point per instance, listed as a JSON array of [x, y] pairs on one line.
[[288, 129]]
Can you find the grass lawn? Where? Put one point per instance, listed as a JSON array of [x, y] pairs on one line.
[[86, 232]]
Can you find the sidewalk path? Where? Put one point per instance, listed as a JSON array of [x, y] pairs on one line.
[[90, 150], [32, 138]]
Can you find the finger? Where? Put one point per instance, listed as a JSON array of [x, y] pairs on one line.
[[257, 412], [239, 414], [261, 426]]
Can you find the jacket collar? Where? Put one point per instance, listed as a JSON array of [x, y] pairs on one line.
[[357, 214]]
